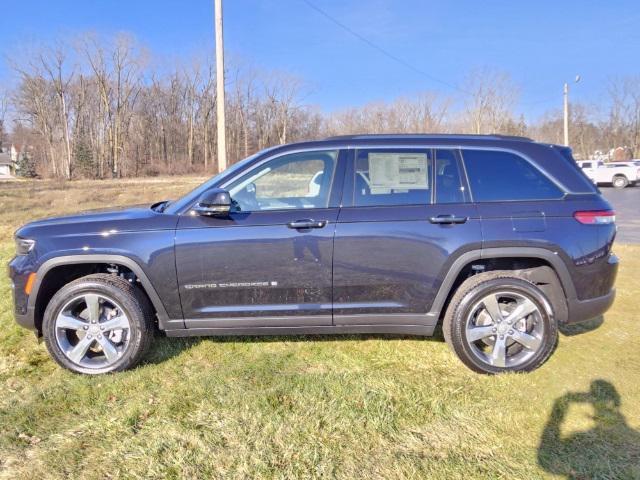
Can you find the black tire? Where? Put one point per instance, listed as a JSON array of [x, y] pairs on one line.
[[130, 299], [620, 181], [477, 287]]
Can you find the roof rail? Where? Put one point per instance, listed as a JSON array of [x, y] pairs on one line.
[[430, 136]]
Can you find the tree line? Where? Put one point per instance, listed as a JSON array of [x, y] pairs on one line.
[[97, 107]]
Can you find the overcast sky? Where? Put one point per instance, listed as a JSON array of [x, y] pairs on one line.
[[539, 43]]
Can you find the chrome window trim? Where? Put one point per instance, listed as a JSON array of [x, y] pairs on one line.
[[243, 172], [451, 146], [285, 154], [469, 147]]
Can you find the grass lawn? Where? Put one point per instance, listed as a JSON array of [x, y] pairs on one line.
[[307, 407]]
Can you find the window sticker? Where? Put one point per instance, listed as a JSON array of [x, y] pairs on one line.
[[398, 171]]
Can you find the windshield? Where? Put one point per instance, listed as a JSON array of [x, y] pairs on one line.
[[193, 195]]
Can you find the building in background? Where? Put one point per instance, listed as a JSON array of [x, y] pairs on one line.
[[7, 165]]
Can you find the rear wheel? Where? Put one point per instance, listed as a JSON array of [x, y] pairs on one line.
[[620, 181], [497, 322], [97, 324]]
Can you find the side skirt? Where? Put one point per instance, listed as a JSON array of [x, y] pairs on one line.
[[421, 330]]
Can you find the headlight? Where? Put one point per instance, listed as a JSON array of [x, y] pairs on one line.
[[24, 245]]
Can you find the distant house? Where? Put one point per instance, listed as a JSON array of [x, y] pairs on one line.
[[7, 165], [620, 154]]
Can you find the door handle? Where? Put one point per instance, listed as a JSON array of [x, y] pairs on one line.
[[307, 223], [448, 219]]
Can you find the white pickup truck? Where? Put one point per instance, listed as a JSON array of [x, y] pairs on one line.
[[618, 174]]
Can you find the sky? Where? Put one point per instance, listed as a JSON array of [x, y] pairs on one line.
[[435, 44]]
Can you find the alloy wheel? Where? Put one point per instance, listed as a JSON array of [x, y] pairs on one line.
[[504, 329], [92, 330]]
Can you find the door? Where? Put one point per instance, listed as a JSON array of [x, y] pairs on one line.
[[406, 215], [269, 262]]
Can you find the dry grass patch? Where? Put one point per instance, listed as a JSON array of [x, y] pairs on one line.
[[311, 407]]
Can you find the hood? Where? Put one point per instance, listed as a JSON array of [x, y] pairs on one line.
[[120, 219]]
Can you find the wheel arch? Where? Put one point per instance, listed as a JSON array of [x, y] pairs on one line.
[[529, 262], [44, 287]]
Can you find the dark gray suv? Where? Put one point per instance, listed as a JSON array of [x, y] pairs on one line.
[[498, 239]]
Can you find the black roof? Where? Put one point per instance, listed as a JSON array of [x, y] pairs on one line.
[[428, 136]]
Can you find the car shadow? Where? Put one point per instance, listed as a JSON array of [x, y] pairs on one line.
[[164, 348], [582, 327], [610, 449]]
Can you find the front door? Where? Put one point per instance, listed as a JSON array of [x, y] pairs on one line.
[[408, 216], [269, 263]]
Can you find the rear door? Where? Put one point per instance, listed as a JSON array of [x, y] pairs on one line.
[[406, 214]]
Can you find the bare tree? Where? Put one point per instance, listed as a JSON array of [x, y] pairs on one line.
[[118, 75], [624, 116], [4, 105], [99, 109], [53, 64], [492, 98]]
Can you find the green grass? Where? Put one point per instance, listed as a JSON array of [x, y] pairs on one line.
[[308, 407]]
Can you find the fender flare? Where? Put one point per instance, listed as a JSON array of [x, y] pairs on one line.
[[163, 318], [550, 256]]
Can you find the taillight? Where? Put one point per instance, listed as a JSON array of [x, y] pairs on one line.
[[595, 217]]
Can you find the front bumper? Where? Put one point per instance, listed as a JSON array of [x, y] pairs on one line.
[[27, 320], [19, 269]]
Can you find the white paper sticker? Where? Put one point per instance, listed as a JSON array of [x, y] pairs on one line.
[[398, 171]]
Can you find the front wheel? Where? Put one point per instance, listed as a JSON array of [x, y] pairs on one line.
[[497, 322], [97, 324]]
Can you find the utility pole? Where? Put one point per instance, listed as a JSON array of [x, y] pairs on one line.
[[566, 113], [566, 110], [222, 138]]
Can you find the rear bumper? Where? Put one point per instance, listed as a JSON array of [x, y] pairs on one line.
[[583, 310]]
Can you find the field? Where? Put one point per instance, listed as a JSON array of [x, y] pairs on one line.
[[310, 407]]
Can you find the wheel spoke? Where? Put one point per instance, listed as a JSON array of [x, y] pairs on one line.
[[523, 310], [499, 353], [119, 322], [491, 305], [93, 307], [109, 349], [70, 322], [528, 341], [77, 353], [478, 333]]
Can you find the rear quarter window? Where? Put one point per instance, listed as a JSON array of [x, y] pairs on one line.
[[503, 176]]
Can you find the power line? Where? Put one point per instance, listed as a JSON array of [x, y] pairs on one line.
[[385, 52], [401, 61]]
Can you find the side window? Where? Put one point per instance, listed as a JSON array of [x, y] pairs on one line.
[[449, 186], [392, 177], [496, 176], [586, 165], [298, 180]]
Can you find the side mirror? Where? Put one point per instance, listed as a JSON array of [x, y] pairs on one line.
[[213, 203]]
